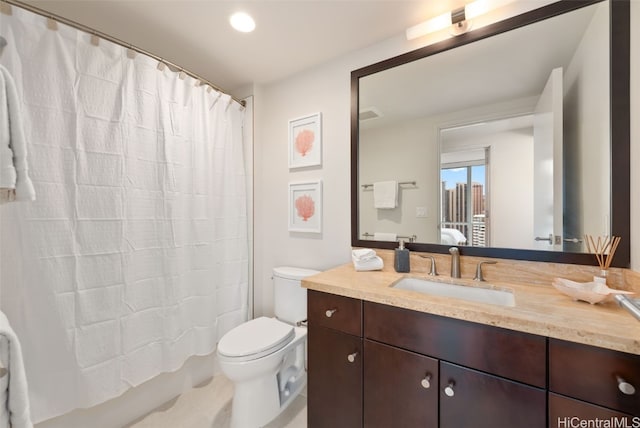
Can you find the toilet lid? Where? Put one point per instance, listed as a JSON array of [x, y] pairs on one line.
[[259, 336]]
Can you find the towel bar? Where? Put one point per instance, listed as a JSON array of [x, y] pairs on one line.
[[411, 238], [400, 183]]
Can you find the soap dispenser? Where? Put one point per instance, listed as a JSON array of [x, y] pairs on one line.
[[401, 258]]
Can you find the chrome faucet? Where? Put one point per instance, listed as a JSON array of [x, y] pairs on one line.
[[479, 276], [433, 271], [455, 262]]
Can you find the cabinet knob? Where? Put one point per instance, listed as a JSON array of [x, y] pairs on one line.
[[426, 382], [330, 312], [449, 389], [352, 357], [625, 387]]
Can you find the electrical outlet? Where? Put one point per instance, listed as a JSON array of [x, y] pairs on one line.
[[421, 212]]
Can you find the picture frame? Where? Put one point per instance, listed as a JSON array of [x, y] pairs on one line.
[[305, 206], [305, 141]]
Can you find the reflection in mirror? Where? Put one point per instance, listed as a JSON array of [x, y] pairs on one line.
[[507, 139]]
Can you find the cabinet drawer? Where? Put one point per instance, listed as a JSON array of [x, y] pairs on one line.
[[567, 412], [337, 312], [595, 375], [506, 353], [469, 398]]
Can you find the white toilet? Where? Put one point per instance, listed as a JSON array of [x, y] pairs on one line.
[[266, 357]]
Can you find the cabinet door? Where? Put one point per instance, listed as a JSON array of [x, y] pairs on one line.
[[400, 388], [469, 398], [568, 412], [335, 379]]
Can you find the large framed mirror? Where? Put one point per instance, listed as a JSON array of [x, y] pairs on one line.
[[510, 141]]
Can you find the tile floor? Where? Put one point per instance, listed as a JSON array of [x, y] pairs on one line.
[[209, 406]]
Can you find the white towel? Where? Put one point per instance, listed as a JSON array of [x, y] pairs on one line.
[[385, 194], [383, 236], [452, 237], [14, 408], [363, 254], [14, 171], [375, 263]]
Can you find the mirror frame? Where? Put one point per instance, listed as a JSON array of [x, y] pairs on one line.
[[619, 65]]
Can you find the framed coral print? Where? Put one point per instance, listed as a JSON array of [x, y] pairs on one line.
[[305, 207], [305, 141]]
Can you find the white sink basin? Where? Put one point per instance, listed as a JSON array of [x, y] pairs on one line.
[[464, 292]]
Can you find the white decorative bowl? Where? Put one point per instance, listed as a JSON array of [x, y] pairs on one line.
[[592, 292]]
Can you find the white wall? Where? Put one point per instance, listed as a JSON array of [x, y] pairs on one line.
[[324, 89], [275, 246], [414, 148], [511, 187], [406, 151], [585, 132], [510, 184]]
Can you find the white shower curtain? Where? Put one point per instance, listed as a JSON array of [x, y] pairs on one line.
[[135, 254]]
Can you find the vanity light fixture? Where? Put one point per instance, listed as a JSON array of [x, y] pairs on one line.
[[242, 22], [458, 20]]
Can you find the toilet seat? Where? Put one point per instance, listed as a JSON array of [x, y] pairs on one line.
[[256, 338]]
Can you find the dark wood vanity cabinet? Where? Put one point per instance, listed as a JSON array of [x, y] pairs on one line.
[[335, 361], [480, 372], [376, 365], [604, 381]]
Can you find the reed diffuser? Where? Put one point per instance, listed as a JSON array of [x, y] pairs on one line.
[[604, 248], [596, 291]]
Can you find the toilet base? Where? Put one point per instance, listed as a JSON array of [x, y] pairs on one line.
[[254, 403], [257, 403], [266, 386]]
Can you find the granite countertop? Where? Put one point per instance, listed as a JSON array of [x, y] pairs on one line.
[[538, 310]]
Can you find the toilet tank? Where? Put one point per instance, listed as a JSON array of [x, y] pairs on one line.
[[289, 298]]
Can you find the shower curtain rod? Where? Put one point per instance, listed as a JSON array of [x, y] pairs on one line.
[[112, 39]]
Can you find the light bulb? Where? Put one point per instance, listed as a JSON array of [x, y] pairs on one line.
[[440, 22], [242, 22]]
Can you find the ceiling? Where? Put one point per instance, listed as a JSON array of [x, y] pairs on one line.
[[509, 67], [290, 36]]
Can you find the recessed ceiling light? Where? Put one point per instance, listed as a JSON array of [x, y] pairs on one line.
[[242, 22]]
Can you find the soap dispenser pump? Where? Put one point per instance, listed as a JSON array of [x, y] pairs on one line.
[[401, 258]]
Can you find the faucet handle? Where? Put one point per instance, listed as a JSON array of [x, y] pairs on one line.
[[479, 276], [432, 271]]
